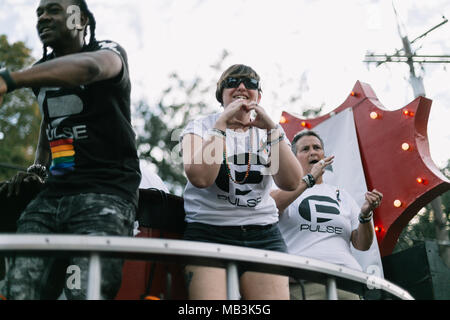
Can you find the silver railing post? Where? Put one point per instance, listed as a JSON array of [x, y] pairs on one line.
[[94, 279], [331, 289], [232, 282]]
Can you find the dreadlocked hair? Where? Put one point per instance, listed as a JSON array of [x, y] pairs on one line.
[[92, 25]]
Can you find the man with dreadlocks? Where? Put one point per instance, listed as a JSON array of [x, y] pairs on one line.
[[86, 156]]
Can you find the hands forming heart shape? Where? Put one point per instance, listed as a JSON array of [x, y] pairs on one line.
[[243, 114]]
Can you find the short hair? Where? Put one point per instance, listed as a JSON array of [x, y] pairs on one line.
[[238, 71], [301, 134], [92, 25]]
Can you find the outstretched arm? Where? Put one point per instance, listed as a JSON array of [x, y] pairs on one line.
[[71, 70], [67, 71]]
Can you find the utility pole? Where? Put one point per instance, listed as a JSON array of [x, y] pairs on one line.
[[410, 58]]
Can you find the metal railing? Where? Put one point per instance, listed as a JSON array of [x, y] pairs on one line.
[[197, 253]]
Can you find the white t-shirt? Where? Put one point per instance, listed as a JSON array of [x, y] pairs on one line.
[[226, 203], [150, 179], [319, 223]]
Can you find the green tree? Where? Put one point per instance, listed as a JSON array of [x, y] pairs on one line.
[[19, 114], [159, 126]]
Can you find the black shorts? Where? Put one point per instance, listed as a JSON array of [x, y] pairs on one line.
[[254, 236]]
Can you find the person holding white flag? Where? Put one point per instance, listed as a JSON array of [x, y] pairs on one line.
[[319, 220]]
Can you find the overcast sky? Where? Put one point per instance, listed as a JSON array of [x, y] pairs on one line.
[[322, 42]]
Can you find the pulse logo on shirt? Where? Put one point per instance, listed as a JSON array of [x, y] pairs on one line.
[[241, 197], [59, 105], [318, 210]]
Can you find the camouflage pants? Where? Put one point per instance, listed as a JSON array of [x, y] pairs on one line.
[[42, 278]]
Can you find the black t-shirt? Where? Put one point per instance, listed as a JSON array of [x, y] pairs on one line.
[[89, 129]]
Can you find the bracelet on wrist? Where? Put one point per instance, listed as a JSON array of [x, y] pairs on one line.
[[217, 132], [276, 141], [309, 180], [365, 219], [277, 127], [39, 170], [10, 83]]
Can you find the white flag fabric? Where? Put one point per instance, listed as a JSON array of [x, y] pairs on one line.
[[340, 139]]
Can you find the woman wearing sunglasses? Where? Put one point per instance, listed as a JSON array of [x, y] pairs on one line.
[[231, 160]]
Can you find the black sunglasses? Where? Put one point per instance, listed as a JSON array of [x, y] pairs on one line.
[[249, 83]]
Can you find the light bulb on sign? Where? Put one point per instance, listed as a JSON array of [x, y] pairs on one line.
[[305, 124], [406, 146], [397, 203], [374, 115], [408, 113], [421, 180]]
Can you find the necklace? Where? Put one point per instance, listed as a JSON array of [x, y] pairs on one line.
[[225, 159]]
